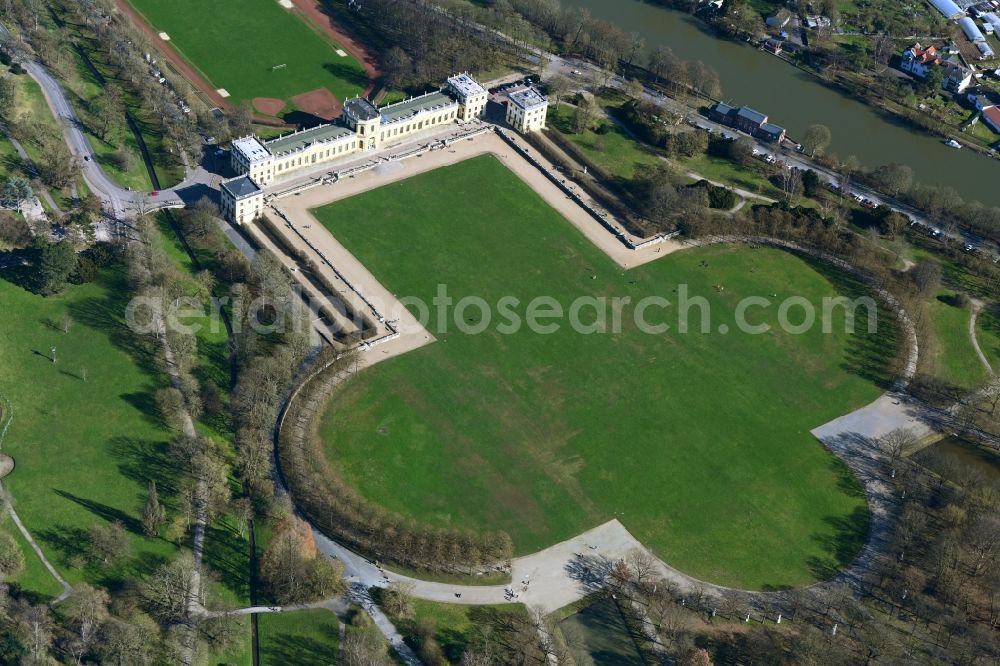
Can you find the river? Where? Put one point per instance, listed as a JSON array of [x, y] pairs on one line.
[[794, 99]]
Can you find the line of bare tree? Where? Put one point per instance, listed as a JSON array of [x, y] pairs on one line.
[[340, 510]]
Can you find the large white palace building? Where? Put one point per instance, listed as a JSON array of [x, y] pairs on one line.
[[363, 127]]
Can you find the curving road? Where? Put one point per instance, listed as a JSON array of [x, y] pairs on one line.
[[117, 200]]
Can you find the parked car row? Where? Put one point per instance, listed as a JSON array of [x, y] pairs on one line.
[[158, 75], [864, 201]]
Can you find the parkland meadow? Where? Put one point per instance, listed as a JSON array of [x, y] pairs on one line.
[[84, 434], [698, 443]]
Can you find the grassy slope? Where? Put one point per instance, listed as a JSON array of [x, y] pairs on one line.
[[304, 638], [621, 156], [625, 158], [36, 579], [457, 625], [226, 552], [85, 93], [86, 90], [110, 451], [988, 334], [698, 443], [84, 450], [258, 34], [722, 170], [31, 103], [954, 359]]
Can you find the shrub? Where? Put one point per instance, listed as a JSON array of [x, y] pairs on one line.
[[14, 231], [86, 271]]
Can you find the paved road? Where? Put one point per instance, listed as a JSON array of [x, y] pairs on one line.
[[120, 200], [583, 72]]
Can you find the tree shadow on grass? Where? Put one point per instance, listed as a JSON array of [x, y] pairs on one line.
[[507, 630], [143, 460], [300, 650], [605, 636], [228, 554], [841, 545], [145, 403], [870, 353], [847, 481], [217, 367], [344, 72], [107, 314], [69, 542], [105, 512], [22, 275]]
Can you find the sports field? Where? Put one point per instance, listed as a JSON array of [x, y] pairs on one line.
[[236, 46], [698, 443]]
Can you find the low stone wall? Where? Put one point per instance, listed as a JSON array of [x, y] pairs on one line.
[[560, 182]]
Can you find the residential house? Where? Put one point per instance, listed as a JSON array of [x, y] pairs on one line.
[[721, 112], [779, 19], [918, 61], [991, 115], [771, 133], [980, 97], [749, 121], [817, 22], [956, 77]]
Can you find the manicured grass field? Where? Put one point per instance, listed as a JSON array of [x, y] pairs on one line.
[[699, 443], [235, 45], [305, 638]]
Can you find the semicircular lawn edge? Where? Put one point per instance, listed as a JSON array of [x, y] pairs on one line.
[[699, 442]]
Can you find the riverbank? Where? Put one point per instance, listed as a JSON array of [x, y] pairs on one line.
[[795, 101]]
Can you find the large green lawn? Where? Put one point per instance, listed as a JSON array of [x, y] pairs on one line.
[[84, 448], [236, 44], [698, 443]]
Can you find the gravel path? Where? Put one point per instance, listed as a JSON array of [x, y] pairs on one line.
[[977, 306], [6, 418]]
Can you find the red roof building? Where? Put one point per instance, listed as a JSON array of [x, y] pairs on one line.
[[991, 114]]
